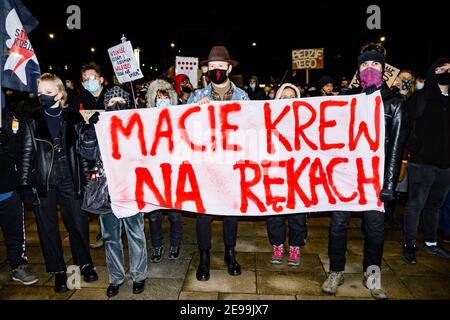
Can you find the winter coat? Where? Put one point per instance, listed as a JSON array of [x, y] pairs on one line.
[[37, 152]]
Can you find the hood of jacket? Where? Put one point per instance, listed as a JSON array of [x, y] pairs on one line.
[[287, 85], [153, 88]]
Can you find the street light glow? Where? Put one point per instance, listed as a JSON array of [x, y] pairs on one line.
[[92, 49], [51, 36], [172, 45], [254, 44], [383, 39]]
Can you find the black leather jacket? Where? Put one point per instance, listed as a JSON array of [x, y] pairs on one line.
[[397, 130], [37, 152]]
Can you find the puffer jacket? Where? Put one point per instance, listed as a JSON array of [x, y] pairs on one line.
[[38, 154]]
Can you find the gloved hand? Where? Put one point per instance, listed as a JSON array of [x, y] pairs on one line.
[[94, 118], [387, 195], [28, 195], [4, 142]]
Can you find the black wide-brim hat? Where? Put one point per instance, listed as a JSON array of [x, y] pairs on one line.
[[219, 53]]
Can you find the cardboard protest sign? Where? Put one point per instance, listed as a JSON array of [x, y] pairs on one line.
[[189, 67], [246, 158], [307, 59], [390, 73], [87, 114], [124, 62]]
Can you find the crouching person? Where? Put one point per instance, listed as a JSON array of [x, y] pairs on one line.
[[111, 226]]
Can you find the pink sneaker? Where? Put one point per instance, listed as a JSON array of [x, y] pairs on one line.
[[277, 255], [294, 256]]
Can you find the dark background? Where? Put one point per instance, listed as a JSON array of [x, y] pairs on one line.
[[416, 34]]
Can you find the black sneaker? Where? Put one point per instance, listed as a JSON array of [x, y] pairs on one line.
[[174, 253], [89, 274], [157, 254], [409, 253], [438, 251]]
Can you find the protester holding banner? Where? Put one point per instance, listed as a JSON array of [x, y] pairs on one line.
[[219, 89], [161, 94], [111, 226], [429, 162], [50, 163], [12, 219], [371, 64], [276, 227]]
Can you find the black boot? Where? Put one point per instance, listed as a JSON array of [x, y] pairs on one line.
[[203, 267], [409, 253], [61, 282], [233, 266]]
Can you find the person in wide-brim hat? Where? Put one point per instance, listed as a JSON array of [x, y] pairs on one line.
[[219, 53]]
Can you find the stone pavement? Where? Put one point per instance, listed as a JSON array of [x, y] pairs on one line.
[[171, 280]]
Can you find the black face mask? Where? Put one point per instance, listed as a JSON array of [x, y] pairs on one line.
[[47, 101], [117, 106], [186, 89], [443, 78], [217, 76]]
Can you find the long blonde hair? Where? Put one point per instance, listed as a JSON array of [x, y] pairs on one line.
[[59, 85]]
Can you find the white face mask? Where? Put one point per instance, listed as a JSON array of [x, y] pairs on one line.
[[420, 85], [271, 96], [253, 86], [163, 103]]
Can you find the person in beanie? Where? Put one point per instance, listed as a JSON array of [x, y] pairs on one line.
[[12, 219], [50, 163], [111, 226], [219, 89], [326, 86], [370, 71], [276, 227], [429, 161]]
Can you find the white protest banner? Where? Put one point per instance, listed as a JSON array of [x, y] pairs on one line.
[[189, 67], [246, 158], [86, 114], [307, 59], [390, 73], [124, 62]]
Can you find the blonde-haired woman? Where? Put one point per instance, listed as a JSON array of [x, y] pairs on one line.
[[51, 164]]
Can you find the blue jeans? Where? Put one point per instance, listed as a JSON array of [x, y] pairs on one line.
[[137, 246], [156, 231], [444, 224]]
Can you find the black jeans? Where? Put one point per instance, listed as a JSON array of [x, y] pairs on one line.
[[373, 227], [75, 220], [13, 227], [204, 231], [276, 229], [156, 231], [428, 187]]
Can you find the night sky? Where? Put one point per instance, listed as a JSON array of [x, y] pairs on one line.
[[415, 34]]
